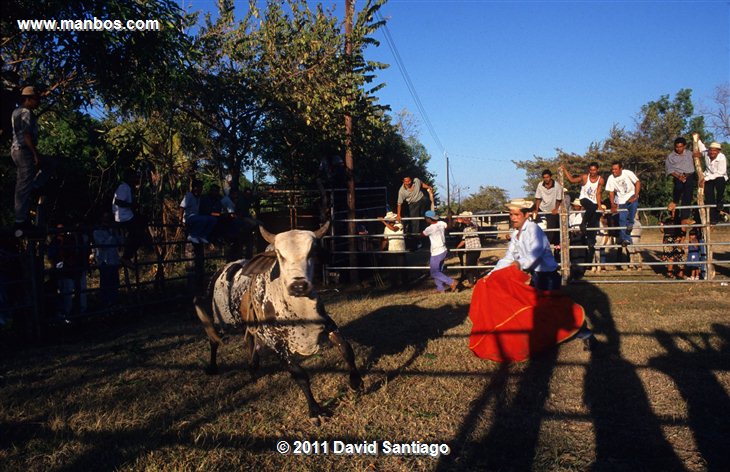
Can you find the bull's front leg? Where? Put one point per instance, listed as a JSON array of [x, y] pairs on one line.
[[348, 354], [301, 377], [212, 368]]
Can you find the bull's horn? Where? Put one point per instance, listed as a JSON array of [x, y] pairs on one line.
[[269, 237], [322, 230]]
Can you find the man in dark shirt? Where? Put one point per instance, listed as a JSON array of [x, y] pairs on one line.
[[680, 166]]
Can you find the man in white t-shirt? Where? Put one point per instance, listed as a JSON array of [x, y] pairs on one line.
[[548, 197], [123, 209], [624, 187], [436, 232]]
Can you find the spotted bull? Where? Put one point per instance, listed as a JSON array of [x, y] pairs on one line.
[[272, 300]]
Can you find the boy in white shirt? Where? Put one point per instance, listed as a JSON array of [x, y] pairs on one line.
[[436, 232], [623, 186]]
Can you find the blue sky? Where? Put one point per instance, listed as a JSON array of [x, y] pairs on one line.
[[503, 81]]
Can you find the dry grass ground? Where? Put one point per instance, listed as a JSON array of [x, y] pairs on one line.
[[653, 395]]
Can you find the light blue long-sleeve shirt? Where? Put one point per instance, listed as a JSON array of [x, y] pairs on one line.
[[531, 251]]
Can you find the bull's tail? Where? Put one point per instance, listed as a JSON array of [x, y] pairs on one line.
[[207, 321]]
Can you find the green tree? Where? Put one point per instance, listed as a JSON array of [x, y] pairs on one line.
[[489, 198]]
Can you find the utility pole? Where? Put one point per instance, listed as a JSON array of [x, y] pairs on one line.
[[349, 158], [448, 185]]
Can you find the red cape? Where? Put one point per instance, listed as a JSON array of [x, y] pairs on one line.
[[513, 321]]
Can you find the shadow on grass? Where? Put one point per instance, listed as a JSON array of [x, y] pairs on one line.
[[628, 434], [391, 330], [708, 404]]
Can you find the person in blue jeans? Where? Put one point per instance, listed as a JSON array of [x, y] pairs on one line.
[[623, 187], [198, 226]]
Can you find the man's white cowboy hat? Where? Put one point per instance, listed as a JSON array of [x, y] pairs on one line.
[[519, 204]]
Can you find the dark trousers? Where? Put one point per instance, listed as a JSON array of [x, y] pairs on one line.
[[553, 222], [546, 280], [417, 210], [472, 259], [714, 194], [136, 235], [682, 193], [590, 220], [108, 283]]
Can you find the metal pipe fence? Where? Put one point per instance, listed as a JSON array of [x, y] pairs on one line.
[[708, 247]]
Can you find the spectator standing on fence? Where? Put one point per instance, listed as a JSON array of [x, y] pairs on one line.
[[715, 178], [131, 222], [592, 186], [436, 232], [680, 165], [471, 242], [198, 226], [411, 193], [623, 187], [548, 197], [238, 207], [32, 169], [106, 253]]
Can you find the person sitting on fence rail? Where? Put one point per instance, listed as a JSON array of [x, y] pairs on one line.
[[470, 241], [715, 179], [436, 232], [680, 165], [130, 222], [623, 187], [591, 189], [548, 197], [198, 226]]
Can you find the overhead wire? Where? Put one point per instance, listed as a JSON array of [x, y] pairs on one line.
[[409, 84]]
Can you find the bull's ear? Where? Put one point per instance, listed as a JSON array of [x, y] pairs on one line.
[[322, 230], [269, 237]]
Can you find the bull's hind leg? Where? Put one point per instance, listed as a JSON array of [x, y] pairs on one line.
[[347, 353], [252, 350]]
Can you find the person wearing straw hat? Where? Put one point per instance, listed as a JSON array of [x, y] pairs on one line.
[[436, 232], [529, 248], [25, 155], [715, 178], [469, 241], [394, 242], [513, 321]]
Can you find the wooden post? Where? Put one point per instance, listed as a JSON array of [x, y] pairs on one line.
[[704, 212], [564, 237]]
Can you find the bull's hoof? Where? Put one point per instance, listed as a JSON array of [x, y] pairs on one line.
[[315, 421], [356, 382], [211, 370]]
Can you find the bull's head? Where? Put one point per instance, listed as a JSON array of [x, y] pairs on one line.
[[294, 251]]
